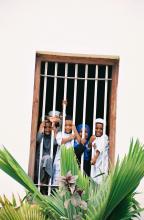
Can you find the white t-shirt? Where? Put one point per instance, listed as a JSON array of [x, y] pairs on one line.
[[56, 165], [59, 138]]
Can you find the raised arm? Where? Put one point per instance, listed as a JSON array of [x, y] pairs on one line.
[[94, 159], [77, 136], [40, 132], [92, 138], [65, 140]]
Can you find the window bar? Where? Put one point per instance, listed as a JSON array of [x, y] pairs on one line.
[[105, 107], [43, 117], [95, 103], [75, 93], [95, 99], [84, 112], [79, 78], [105, 99], [54, 108], [64, 98]]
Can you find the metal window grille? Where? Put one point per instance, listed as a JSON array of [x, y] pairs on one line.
[[86, 87]]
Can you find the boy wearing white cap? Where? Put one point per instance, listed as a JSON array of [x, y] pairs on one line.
[[99, 143], [56, 117]]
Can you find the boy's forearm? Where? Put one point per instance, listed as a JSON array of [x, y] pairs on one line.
[[91, 140], [65, 140], [39, 137], [78, 138], [96, 155]]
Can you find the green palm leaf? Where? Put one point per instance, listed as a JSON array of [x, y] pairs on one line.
[[117, 190], [10, 166], [126, 177], [69, 163], [25, 212], [112, 200], [56, 206]]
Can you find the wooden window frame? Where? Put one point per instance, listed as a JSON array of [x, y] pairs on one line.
[[73, 58]]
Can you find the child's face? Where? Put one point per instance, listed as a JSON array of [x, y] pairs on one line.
[[68, 126], [99, 129], [85, 134], [47, 128]]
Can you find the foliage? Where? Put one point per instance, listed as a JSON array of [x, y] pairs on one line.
[[70, 164], [11, 211], [78, 197], [10, 166]]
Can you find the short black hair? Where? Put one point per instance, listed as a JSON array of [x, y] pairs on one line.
[[68, 117]]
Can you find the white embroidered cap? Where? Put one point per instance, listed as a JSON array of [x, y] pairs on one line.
[[99, 120], [54, 113]]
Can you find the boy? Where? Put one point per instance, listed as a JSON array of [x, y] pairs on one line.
[[44, 133], [54, 118], [67, 138], [99, 143], [81, 146]]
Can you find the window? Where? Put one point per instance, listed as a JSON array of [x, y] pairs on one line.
[[89, 83]]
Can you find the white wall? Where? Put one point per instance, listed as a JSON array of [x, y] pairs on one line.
[[92, 27]]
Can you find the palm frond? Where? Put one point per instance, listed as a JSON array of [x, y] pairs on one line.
[[98, 198], [56, 202], [104, 202], [126, 177], [11, 210], [26, 211], [10, 166], [128, 209], [118, 192], [31, 212], [69, 163], [55, 206]]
